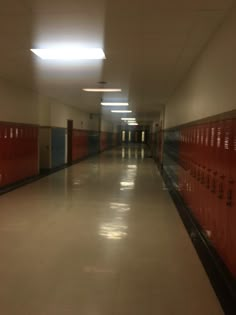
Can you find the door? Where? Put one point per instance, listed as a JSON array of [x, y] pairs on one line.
[[69, 140]]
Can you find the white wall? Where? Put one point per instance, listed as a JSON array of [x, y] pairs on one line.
[[60, 113], [22, 105], [106, 125], [17, 104], [210, 86], [44, 111]]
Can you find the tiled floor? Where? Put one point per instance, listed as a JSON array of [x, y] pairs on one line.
[[99, 238]]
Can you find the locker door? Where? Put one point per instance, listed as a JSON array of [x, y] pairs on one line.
[[230, 209], [211, 181], [219, 200], [183, 167], [22, 152], [1, 155], [205, 180], [6, 152], [200, 175], [36, 150], [195, 172]]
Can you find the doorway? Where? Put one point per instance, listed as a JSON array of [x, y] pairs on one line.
[[69, 140]]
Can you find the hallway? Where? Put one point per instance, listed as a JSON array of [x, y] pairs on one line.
[[101, 237]]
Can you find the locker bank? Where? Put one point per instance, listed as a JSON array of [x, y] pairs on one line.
[[118, 157]]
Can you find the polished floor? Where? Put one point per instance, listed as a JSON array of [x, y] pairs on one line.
[[99, 238]]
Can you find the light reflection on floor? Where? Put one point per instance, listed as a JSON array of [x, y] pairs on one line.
[[128, 177], [132, 151], [117, 228]]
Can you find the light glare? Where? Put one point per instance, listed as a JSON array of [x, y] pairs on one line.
[[114, 104], [128, 119], [121, 111], [69, 53], [102, 90]]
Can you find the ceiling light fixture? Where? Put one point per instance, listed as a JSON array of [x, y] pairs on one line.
[[133, 124], [121, 111], [131, 119], [102, 90], [114, 104], [69, 53]]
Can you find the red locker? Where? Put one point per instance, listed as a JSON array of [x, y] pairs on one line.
[[200, 189], [184, 177], [195, 177], [205, 180], [218, 203], [82, 144], [180, 169], [18, 152], [230, 205], [6, 151], [210, 182], [190, 170], [1, 155]]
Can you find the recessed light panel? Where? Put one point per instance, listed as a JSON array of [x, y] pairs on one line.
[[102, 90], [131, 119], [114, 104], [69, 53], [121, 111]]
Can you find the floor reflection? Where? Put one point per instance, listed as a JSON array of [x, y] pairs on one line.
[[133, 151], [117, 228], [128, 178]]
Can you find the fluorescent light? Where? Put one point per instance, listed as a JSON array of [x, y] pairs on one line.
[[121, 111], [102, 90], [69, 53], [133, 124], [133, 119], [114, 104]]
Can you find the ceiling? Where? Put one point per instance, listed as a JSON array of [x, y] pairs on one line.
[[149, 46]]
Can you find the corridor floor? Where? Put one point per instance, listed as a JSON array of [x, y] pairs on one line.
[[99, 238]]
